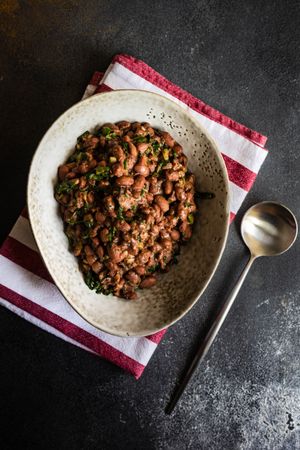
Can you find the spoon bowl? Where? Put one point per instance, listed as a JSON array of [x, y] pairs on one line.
[[269, 229]]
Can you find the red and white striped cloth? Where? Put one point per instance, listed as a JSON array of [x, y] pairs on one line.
[[26, 287]]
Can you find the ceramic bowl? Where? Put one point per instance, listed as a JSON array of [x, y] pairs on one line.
[[176, 291]]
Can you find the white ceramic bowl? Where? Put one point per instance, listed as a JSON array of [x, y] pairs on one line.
[[178, 290]]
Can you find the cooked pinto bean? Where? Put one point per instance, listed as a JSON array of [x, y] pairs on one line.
[[127, 199], [168, 139], [162, 203], [124, 125], [104, 234], [100, 252], [125, 181], [100, 217], [140, 270], [142, 147], [133, 150], [180, 193], [122, 226], [168, 187], [133, 277], [139, 183], [148, 282], [118, 169], [62, 171], [175, 235], [141, 167], [97, 266]]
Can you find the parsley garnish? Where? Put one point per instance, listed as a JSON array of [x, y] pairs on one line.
[[65, 187]]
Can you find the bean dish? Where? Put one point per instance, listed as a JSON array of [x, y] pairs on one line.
[[127, 200]]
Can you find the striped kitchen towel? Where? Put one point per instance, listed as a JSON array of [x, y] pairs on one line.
[[26, 287]]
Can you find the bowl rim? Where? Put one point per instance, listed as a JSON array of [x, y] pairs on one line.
[[218, 155]]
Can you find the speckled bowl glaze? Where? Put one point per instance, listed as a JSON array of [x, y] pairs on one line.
[[176, 291]]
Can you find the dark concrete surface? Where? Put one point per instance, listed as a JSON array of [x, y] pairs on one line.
[[242, 58]]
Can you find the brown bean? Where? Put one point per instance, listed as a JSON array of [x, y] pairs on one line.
[[122, 225], [100, 252], [162, 203], [167, 244], [102, 163], [170, 142], [130, 162], [93, 163], [100, 217], [182, 211], [175, 235], [95, 242], [180, 194], [142, 147], [82, 183], [109, 203], [102, 141], [104, 235], [183, 160], [139, 183], [91, 259], [132, 277], [141, 167], [168, 187], [88, 250], [118, 152], [125, 181], [97, 266], [140, 270], [90, 197], [94, 231], [62, 171], [115, 253], [77, 249], [136, 125], [124, 125], [148, 282], [187, 233], [172, 175], [117, 169], [70, 175], [83, 167], [133, 150], [143, 257], [149, 197]]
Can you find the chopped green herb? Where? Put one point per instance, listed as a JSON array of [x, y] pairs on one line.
[[110, 136], [125, 164], [99, 173], [187, 204], [138, 139], [120, 213], [112, 233], [112, 159], [125, 146], [65, 187], [92, 282], [190, 218], [105, 131], [156, 147]]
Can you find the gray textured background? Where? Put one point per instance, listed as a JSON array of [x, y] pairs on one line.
[[242, 58]]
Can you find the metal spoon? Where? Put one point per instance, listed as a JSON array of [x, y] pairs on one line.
[[268, 229]]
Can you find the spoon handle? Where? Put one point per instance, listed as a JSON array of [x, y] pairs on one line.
[[210, 337]]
